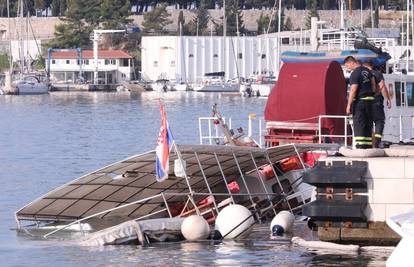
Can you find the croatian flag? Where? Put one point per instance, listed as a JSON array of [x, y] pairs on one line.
[[164, 144]]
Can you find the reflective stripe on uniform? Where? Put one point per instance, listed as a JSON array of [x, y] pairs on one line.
[[368, 98], [363, 142], [378, 135], [362, 138]]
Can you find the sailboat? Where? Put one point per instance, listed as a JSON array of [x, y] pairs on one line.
[[24, 82], [216, 81]]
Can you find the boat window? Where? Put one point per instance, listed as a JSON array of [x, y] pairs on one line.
[[410, 96], [155, 63], [173, 63], [190, 55], [263, 56], [215, 55], [240, 55]]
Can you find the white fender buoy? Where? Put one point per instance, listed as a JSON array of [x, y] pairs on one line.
[[282, 223], [233, 220], [195, 227]]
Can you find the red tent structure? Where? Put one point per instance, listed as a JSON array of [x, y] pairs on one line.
[[303, 92]]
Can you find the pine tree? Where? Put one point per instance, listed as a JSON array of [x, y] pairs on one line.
[[114, 14], [156, 19], [234, 18], [288, 25], [262, 24], [55, 8], [63, 6], [181, 21], [200, 22], [313, 12]]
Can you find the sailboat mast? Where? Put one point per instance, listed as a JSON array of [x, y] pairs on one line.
[[224, 37], [21, 40], [9, 34]]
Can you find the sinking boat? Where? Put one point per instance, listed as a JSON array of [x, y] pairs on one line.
[[203, 179]]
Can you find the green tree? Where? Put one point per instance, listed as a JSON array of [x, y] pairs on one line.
[[55, 8], [234, 19], [63, 7], [312, 12], [81, 17], [4, 62], [114, 14], [156, 19], [181, 21], [199, 24], [288, 25], [39, 4], [262, 23]]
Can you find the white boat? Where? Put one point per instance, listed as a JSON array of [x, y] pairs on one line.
[[263, 85], [214, 82], [30, 85], [403, 225], [181, 87], [161, 85]]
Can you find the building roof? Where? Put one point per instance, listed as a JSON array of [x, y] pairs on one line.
[[88, 54]]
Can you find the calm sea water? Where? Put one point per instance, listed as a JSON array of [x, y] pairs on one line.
[[48, 140]]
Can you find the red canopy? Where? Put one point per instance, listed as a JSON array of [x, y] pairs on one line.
[[306, 90]]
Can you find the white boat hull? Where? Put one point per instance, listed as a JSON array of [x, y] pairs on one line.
[[32, 89], [181, 87], [217, 88], [262, 89]]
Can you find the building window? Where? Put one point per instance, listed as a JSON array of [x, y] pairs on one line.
[[155, 64], [410, 94], [53, 61], [113, 61], [78, 61], [263, 56], [67, 61], [215, 55], [86, 61], [173, 63], [399, 93], [190, 55], [124, 62], [240, 56], [107, 61]]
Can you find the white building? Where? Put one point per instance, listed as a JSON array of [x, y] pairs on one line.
[[188, 58], [68, 66]]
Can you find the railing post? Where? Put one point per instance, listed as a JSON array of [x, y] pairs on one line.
[[200, 131], [346, 131], [319, 129]]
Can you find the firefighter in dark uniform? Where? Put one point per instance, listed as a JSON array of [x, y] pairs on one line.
[[361, 96], [378, 114]]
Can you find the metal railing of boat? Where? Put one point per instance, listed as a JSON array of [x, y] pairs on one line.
[[345, 136], [402, 126], [255, 129]]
